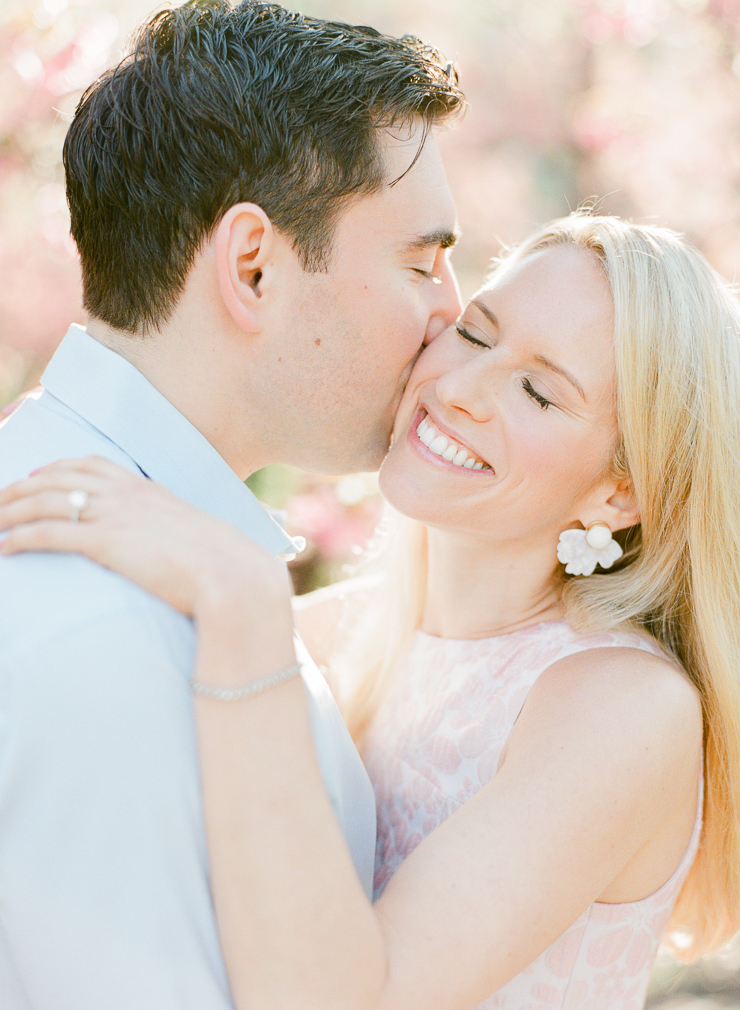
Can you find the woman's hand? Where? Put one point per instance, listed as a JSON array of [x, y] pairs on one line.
[[142, 531]]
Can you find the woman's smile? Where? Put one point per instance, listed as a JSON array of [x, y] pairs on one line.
[[433, 440]]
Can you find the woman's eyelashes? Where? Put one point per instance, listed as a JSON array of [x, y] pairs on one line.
[[466, 335], [537, 397]]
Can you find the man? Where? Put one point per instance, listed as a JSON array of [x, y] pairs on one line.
[[262, 218]]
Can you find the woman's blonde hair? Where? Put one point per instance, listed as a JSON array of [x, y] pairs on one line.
[[677, 346]]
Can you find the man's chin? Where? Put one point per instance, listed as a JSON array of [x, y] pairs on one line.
[[360, 459], [373, 458]]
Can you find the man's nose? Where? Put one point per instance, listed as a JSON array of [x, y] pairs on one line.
[[447, 304]]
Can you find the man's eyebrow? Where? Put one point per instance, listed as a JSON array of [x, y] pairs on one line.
[[442, 237], [538, 357]]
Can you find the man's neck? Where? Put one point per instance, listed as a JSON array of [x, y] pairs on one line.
[[193, 379]]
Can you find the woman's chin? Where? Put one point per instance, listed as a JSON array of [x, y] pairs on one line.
[[396, 488], [403, 492]]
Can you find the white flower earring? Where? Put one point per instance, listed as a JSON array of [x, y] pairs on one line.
[[582, 550]]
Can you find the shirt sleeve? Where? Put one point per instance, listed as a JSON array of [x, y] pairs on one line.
[[104, 896]]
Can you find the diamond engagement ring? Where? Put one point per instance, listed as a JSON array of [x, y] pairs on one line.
[[78, 502]]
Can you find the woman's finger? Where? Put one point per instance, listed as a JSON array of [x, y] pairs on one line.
[[155, 559], [51, 504], [94, 465], [68, 480], [61, 483], [93, 474], [50, 535]]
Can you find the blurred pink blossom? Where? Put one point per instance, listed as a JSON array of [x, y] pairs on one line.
[[337, 530]]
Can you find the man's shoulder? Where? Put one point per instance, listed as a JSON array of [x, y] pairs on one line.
[[42, 430], [45, 596]]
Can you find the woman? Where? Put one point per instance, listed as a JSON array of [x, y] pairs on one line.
[[535, 736]]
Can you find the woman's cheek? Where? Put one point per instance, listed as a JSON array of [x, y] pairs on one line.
[[546, 452], [568, 464]]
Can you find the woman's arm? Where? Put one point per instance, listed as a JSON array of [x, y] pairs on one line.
[[592, 776], [284, 886], [575, 800]]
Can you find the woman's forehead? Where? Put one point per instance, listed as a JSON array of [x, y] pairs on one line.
[[556, 304], [559, 260]]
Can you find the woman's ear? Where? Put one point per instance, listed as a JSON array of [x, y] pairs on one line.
[[615, 504], [242, 243], [623, 505]]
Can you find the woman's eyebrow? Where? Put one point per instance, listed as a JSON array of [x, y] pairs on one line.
[[560, 371], [540, 358], [486, 312]]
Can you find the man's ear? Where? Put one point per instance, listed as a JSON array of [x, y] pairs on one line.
[[618, 508], [243, 243]]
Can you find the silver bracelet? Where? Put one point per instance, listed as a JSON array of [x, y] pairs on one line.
[[235, 693]]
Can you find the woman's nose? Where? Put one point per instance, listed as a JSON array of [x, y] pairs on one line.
[[468, 387]]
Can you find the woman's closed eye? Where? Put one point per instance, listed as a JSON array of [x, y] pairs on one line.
[[467, 335], [537, 397]]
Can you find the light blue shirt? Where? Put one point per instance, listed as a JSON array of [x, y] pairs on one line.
[[104, 896]]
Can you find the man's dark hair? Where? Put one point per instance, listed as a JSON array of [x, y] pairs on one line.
[[218, 105]]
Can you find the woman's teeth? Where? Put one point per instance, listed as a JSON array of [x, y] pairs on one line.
[[447, 449]]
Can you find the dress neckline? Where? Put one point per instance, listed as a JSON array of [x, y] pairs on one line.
[[528, 628]]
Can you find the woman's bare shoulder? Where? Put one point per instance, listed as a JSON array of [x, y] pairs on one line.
[[622, 679], [626, 671], [625, 696]]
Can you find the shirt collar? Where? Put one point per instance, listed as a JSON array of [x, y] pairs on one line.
[[111, 394]]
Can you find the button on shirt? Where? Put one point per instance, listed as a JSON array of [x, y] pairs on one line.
[[104, 897]]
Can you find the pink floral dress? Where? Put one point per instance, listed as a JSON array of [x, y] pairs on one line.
[[437, 739]]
